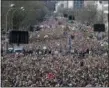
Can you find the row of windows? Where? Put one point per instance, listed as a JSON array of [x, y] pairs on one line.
[[78, 4]]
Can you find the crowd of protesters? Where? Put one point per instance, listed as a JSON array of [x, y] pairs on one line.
[[75, 59]]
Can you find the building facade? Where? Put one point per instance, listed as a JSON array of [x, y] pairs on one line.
[[78, 4], [102, 6], [73, 4]]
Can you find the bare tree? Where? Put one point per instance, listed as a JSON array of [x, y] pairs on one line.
[[87, 14]]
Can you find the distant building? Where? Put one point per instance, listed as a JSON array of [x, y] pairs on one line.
[[63, 4], [105, 13], [50, 4], [78, 4], [102, 6], [86, 3]]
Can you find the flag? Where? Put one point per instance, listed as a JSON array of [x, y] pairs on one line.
[[50, 76]]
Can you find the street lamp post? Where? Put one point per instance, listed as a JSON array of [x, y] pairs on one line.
[[12, 5], [22, 8], [102, 13], [6, 39]]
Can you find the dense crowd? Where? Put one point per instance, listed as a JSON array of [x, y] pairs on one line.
[[77, 61]]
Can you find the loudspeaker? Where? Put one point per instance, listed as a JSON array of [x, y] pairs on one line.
[[18, 37], [99, 27]]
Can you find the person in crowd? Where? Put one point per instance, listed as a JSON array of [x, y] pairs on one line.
[[46, 63]]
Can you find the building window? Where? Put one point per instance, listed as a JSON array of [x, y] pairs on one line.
[[78, 4]]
